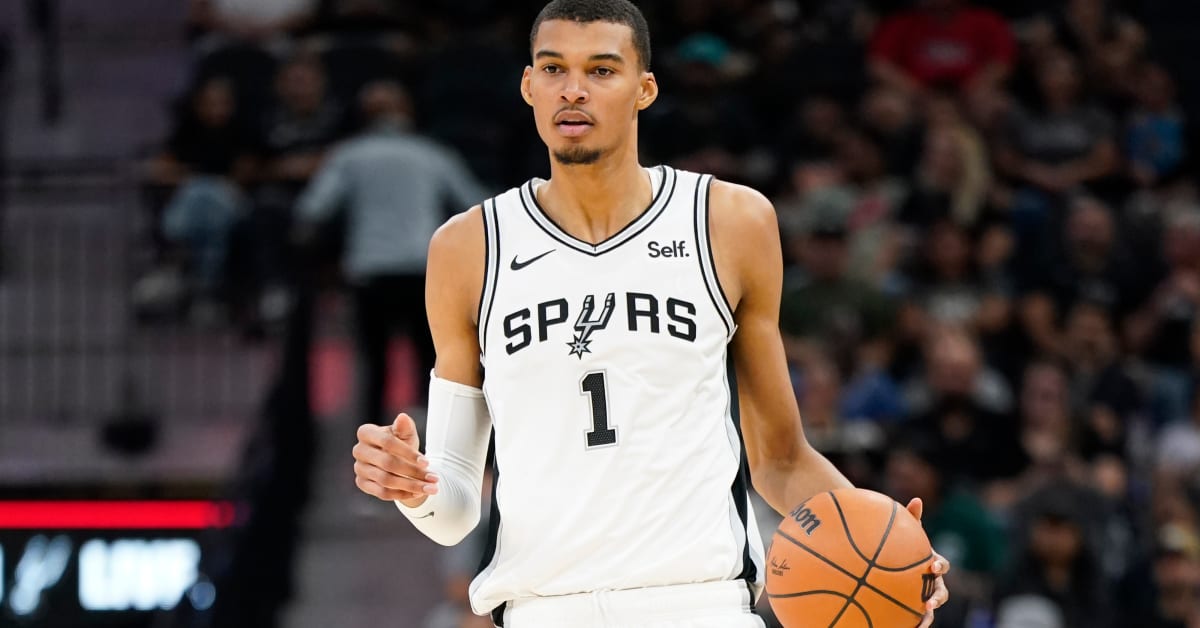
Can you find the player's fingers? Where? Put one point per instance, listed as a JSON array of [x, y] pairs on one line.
[[939, 597], [927, 621], [381, 437], [404, 428], [403, 450], [394, 482], [375, 435], [940, 565], [416, 467], [916, 507], [375, 490]]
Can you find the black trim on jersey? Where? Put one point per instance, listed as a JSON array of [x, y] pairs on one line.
[[701, 255], [708, 241], [741, 482], [655, 209], [487, 266], [493, 536], [495, 282]]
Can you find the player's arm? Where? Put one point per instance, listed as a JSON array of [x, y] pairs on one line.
[[785, 468], [440, 491]]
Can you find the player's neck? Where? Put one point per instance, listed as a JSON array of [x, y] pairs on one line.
[[595, 201]]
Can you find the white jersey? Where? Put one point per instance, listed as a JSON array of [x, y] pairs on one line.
[[618, 458]]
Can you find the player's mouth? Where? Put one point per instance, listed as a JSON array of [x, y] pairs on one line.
[[572, 123]]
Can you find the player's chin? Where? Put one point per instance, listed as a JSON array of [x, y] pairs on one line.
[[576, 154]]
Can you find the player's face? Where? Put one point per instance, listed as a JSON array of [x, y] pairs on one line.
[[586, 86]]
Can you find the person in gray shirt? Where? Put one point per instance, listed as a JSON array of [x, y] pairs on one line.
[[396, 188]]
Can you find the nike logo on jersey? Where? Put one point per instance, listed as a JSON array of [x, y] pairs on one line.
[[516, 265], [426, 515]]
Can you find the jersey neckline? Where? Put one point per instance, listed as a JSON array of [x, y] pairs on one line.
[[662, 196]]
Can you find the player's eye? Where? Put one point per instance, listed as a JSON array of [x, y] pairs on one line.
[[550, 69], [603, 71]]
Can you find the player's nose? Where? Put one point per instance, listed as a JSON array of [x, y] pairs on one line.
[[574, 91]]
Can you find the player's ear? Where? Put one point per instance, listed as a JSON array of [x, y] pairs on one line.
[[525, 93], [648, 92]]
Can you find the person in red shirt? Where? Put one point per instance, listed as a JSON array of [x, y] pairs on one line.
[[942, 42]]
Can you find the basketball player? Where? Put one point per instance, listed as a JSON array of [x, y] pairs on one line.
[[624, 318]]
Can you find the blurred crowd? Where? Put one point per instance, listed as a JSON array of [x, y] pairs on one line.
[[990, 217]]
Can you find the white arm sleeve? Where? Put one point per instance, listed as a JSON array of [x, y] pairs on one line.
[[456, 441]]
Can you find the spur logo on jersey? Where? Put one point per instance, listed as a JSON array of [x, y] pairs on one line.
[[644, 313], [585, 324]]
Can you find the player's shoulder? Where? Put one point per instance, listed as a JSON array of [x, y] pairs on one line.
[[740, 209], [460, 237]]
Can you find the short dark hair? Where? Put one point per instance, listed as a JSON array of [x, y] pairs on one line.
[[613, 11]]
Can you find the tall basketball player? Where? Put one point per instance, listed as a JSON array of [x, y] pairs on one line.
[[625, 319]]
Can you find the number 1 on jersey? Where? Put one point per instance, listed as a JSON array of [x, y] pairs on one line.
[[595, 387]]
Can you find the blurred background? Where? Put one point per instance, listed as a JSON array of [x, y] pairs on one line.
[[213, 220]]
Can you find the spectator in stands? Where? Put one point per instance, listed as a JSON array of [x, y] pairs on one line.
[[296, 133], [1048, 431], [396, 188], [870, 200], [1154, 133], [808, 144], [1108, 42], [250, 20], [962, 402], [702, 125], [207, 159], [953, 176], [1057, 562], [293, 139], [1176, 579], [892, 117], [1102, 392], [955, 374], [954, 519], [1178, 451], [1058, 147], [948, 290], [942, 42], [1162, 329], [207, 139], [824, 308], [848, 442], [1091, 266]]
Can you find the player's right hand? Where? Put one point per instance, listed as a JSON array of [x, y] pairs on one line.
[[388, 463]]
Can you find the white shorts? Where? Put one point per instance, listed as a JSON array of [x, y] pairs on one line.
[[724, 604]]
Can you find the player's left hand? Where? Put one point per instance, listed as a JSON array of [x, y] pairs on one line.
[[939, 566]]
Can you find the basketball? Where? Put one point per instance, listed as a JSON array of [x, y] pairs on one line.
[[849, 558]]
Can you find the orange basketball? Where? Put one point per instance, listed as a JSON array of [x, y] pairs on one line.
[[849, 558]]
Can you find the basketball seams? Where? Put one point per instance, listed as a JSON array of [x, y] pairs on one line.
[[804, 593], [814, 552], [906, 567], [846, 527], [843, 570], [848, 599], [865, 614], [886, 532], [870, 562]]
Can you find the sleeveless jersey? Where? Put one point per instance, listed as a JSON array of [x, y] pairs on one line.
[[618, 458]]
